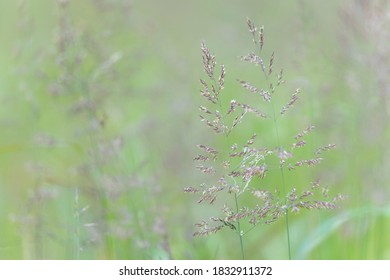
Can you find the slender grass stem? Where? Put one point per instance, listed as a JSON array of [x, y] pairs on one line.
[[283, 183], [287, 217], [259, 44], [240, 235], [239, 229]]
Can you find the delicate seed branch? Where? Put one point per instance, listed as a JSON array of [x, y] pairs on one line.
[[293, 99], [303, 133]]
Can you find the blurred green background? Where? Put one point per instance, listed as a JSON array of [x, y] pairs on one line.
[[99, 125]]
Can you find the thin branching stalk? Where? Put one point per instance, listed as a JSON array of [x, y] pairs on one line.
[[284, 192]]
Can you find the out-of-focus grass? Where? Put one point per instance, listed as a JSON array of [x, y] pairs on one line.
[[151, 106]]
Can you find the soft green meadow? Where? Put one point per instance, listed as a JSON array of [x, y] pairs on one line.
[[100, 124]]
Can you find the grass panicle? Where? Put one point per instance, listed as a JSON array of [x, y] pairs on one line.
[[239, 171]]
